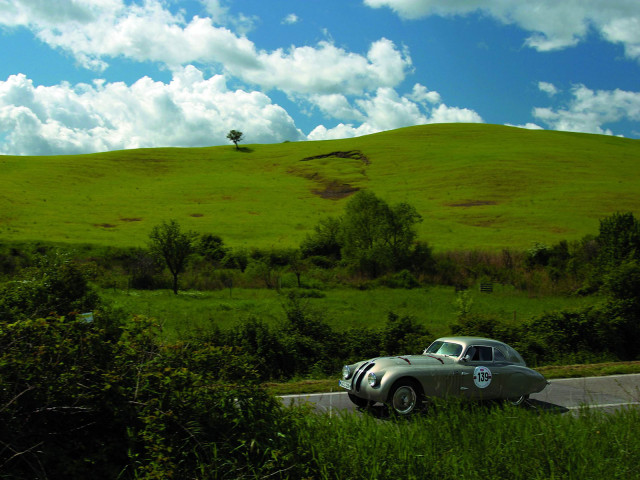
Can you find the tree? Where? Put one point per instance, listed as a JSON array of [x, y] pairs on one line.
[[619, 240], [173, 246], [325, 241], [235, 136], [378, 238]]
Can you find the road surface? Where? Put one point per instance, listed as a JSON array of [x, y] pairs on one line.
[[563, 395]]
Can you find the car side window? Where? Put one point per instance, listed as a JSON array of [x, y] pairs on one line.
[[498, 356], [480, 353]]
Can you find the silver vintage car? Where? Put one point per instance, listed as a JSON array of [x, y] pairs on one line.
[[471, 368]]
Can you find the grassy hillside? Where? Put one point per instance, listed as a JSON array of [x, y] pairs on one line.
[[481, 186]]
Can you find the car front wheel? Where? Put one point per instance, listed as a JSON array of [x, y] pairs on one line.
[[405, 397]]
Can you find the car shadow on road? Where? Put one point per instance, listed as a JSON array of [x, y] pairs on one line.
[[538, 405], [382, 412]]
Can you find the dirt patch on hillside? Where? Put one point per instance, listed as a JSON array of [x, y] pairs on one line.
[[131, 219], [335, 190], [472, 203], [104, 225], [353, 154], [328, 186]]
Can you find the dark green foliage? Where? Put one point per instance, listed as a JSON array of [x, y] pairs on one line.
[[77, 402], [306, 337], [326, 240], [143, 269], [56, 286], [403, 335], [235, 136], [55, 409], [538, 255], [212, 248], [259, 342], [379, 238], [619, 240], [168, 242], [623, 282]]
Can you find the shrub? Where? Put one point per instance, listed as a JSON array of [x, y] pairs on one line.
[[78, 402], [56, 286], [403, 335]]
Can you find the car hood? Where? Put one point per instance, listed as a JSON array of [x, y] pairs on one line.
[[413, 361]]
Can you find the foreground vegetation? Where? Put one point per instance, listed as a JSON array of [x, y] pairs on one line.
[[89, 399]]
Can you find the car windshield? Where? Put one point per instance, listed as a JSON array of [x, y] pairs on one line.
[[445, 348]]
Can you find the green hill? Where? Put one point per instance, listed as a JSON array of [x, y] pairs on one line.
[[476, 186]]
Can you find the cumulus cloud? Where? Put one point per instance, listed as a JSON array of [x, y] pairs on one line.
[[589, 111], [548, 88], [98, 30], [326, 69], [290, 19], [336, 106], [386, 110], [553, 24], [188, 111], [528, 126]]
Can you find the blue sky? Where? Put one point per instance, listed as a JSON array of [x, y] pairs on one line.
[[81, 76]]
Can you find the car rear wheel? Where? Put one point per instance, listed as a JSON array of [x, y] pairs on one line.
[[360, 402], [405, 397]]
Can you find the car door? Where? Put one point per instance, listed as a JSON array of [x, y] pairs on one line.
[[479, 375]]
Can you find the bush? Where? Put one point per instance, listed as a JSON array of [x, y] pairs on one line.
[[403, 335], [57, 286], [78, 402]]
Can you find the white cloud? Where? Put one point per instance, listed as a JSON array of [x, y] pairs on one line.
[[548, 88], [326, 69], [553, 24], [188, 111], [105, 29], [290, 19], [421, 94], [445, 114], [386, 110], [336, 106], [528, 126], [588, 111]]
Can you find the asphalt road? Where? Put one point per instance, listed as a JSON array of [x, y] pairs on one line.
[[563, 395]]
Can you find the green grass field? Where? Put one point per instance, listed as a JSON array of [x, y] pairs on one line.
[[434, 307], [476, 186]]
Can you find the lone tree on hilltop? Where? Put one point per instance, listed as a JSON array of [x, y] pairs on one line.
[[235, 136], [166, 241]]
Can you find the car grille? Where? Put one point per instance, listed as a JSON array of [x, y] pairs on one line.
[[360, 373]]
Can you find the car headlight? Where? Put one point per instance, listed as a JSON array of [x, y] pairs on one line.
[[372, 379], [346, 372]]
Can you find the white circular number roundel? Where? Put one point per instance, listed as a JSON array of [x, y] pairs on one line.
[[482, 377]]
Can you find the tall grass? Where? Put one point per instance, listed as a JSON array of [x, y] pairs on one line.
[[457, 442], [341, 308]]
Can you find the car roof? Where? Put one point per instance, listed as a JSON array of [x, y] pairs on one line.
[[472, 341]]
